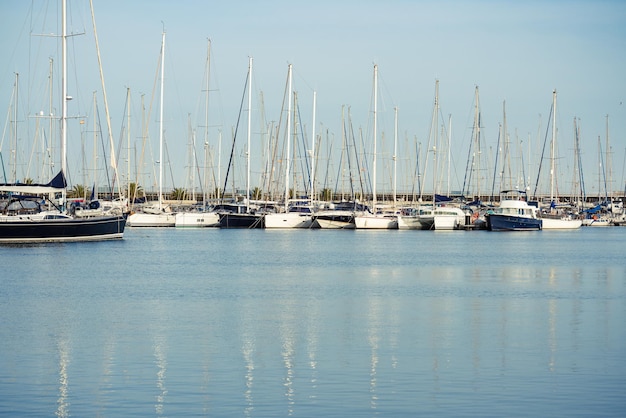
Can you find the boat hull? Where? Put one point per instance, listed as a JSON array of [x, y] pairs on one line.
[[499, 222], [601, 222], [375, 222], [549, 223], [63, 230], [197, 220], [335, 220], [409, 222], [446, 223], [241, 220], [288, 220], [140, 219]]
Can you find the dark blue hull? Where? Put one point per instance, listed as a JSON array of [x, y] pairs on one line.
[[241, 220], [63, 230], [498, 222]]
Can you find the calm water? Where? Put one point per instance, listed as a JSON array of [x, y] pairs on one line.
[[312, 323]]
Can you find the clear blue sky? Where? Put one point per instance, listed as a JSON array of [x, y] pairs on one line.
[[513, 51]]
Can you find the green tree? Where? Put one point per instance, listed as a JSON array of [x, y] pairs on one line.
[[257, 193], [134, 191], [179, 194], [78, 191]]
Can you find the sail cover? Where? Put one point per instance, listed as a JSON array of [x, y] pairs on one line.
[[57, 184]]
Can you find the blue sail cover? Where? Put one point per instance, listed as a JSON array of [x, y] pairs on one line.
[[594, 210], [57, 184], [440, 198]]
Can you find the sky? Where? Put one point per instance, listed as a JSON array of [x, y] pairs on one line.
[[515, 53]]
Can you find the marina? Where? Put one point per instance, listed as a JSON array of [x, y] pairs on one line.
[[281, 217]]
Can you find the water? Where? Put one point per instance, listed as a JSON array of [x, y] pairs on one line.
[[309, 323]]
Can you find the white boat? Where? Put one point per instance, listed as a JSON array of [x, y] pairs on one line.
[[448, 218], [299, 216], [294, 215], [560, 222], [196, 219], [157, 215], [408, 218], [556, 219], [335, 219], [144, 219], [377, 219], [596, 221], [367, 220]]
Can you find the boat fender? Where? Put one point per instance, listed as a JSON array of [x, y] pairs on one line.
[[94, 204]]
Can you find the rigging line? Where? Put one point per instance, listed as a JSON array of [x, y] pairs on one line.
[[232, 150], [106, 168], [543, 151], [495, 165]]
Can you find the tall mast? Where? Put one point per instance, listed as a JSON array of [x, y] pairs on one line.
[[552, 146], [161, 122], [477, 139], [434, 132], [375, 136], [395, 150], [312, 175], [206, 123], [128, 145], [289, 91], [63, 95], [607, 162], [249, 133], [449, 151]]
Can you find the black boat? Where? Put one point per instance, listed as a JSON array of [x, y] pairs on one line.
[[25, 217], [239, 216]]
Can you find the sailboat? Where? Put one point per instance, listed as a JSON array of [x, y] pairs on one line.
[[156, 216], [555, 219], [242, 215], [294, 215], [376, 219], [201, 216], [26, 217]]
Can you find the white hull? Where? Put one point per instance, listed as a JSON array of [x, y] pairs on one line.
[[446, 223], [409, 222], [596, 222], [288, 220], [549, 223], [375, 222], [151, 220], [197, 219]]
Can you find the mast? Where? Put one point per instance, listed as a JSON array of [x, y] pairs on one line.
[[552, 146], [375, 136], [477, 151], [249, 133], [95, 154], [206, 124], [289, 92], [128, 145], [312, 175], [395, 152], [64, 96], [449, 151], [434, 131], [607, 164], [161, 122]]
